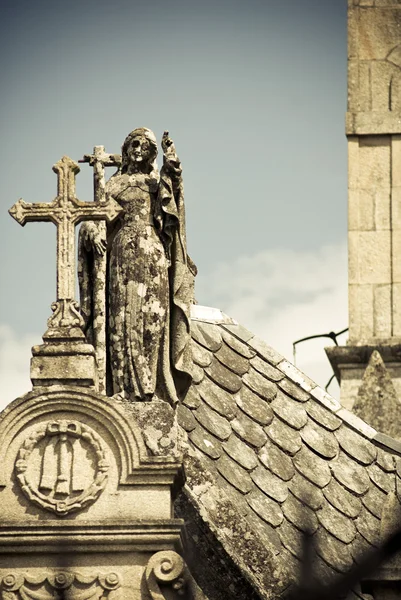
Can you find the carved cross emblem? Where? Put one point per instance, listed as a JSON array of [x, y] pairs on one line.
[[65, 211]]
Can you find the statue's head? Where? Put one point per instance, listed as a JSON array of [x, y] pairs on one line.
[[139, 148]]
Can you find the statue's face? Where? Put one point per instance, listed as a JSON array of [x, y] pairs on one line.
[[140, 150]]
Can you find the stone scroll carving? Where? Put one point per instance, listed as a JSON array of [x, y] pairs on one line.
[[147, 283], [62, 466], [166, 568], [60, 585]]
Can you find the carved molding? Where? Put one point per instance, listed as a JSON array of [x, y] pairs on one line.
[[166, 568], [67, 472], [61, 585]]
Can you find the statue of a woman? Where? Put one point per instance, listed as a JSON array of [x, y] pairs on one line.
[[150, 276]]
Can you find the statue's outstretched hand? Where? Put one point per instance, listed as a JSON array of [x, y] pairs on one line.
[[98, 244], [167, 143]]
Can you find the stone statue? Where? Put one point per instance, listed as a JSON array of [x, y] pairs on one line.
[[149, 277]]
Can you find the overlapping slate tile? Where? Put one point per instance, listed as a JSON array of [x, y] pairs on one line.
[[197, 373], [266, 508], [237, 345], [293, 390], [374, 500], [248, 430], [259, 384], [311, 466], [381, 479], [320, 440], [192, 398], [350, 474], [322, 416], [287, 410], [359, 548], [205, 442], [342, 499], [234, 474], [218, 399], [299, 514], [231, 359], [385, 461], [266, 369], [322, 572], [185, 418], [213, 422], [224, 377], [356, 446], [240, 452], [369, 527], [335, 553], [284, 436], [306, 492], [200, 355], [337, 523], [207, 335], [254, 406], [277, 461], [270, 484], [291, 538]]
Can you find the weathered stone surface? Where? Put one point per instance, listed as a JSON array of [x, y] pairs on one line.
[[224, 377], [291, 538], [359, 548], [217, 398], [385, 461], [311, 466], [248, 430], [334, 553], [234, 474], [306, 492], [266, 508], [375, 500], [192, 398], [266, 369], [254, 406], [293, 390], [320, 440], [213, 422], [277, 461], [240, 452], [288, 411], [270, 484], [341, 499], [351, 475], [197, 374], [232, 360], [321, 415], [206, 443], [299, 514], [284, 436], [186, 418], [200, 355], [237, 345], [356, 446], [381, 479], [206, 335], [259, 384], [337, 524], [369, 527]]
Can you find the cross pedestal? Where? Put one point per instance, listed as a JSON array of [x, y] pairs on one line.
[[65, 357]]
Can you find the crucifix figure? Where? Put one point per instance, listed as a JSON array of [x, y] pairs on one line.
[[65, 211]]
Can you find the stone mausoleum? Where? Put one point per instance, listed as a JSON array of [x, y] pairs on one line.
[[164, 451]]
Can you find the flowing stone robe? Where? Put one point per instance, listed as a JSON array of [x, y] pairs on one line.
[[150, 286]]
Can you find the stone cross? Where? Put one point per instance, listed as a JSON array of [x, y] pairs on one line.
[[65, 211]]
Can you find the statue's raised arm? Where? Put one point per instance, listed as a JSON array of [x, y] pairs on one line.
[[149, 275]]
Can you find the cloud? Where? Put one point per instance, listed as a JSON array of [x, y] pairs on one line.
[[284, 295], [15, 355]]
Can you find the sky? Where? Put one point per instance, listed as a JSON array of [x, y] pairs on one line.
[[253, 95]]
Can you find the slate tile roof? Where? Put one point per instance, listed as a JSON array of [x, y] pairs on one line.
[[288, 455]]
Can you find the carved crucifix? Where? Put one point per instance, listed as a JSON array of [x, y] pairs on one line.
[[65, 211]]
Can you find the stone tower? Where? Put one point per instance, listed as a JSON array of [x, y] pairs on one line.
[[373, 128]]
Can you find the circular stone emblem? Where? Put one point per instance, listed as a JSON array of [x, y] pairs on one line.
[[62, 467]]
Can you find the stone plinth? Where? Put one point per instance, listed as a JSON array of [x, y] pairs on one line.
[[86, 490]]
